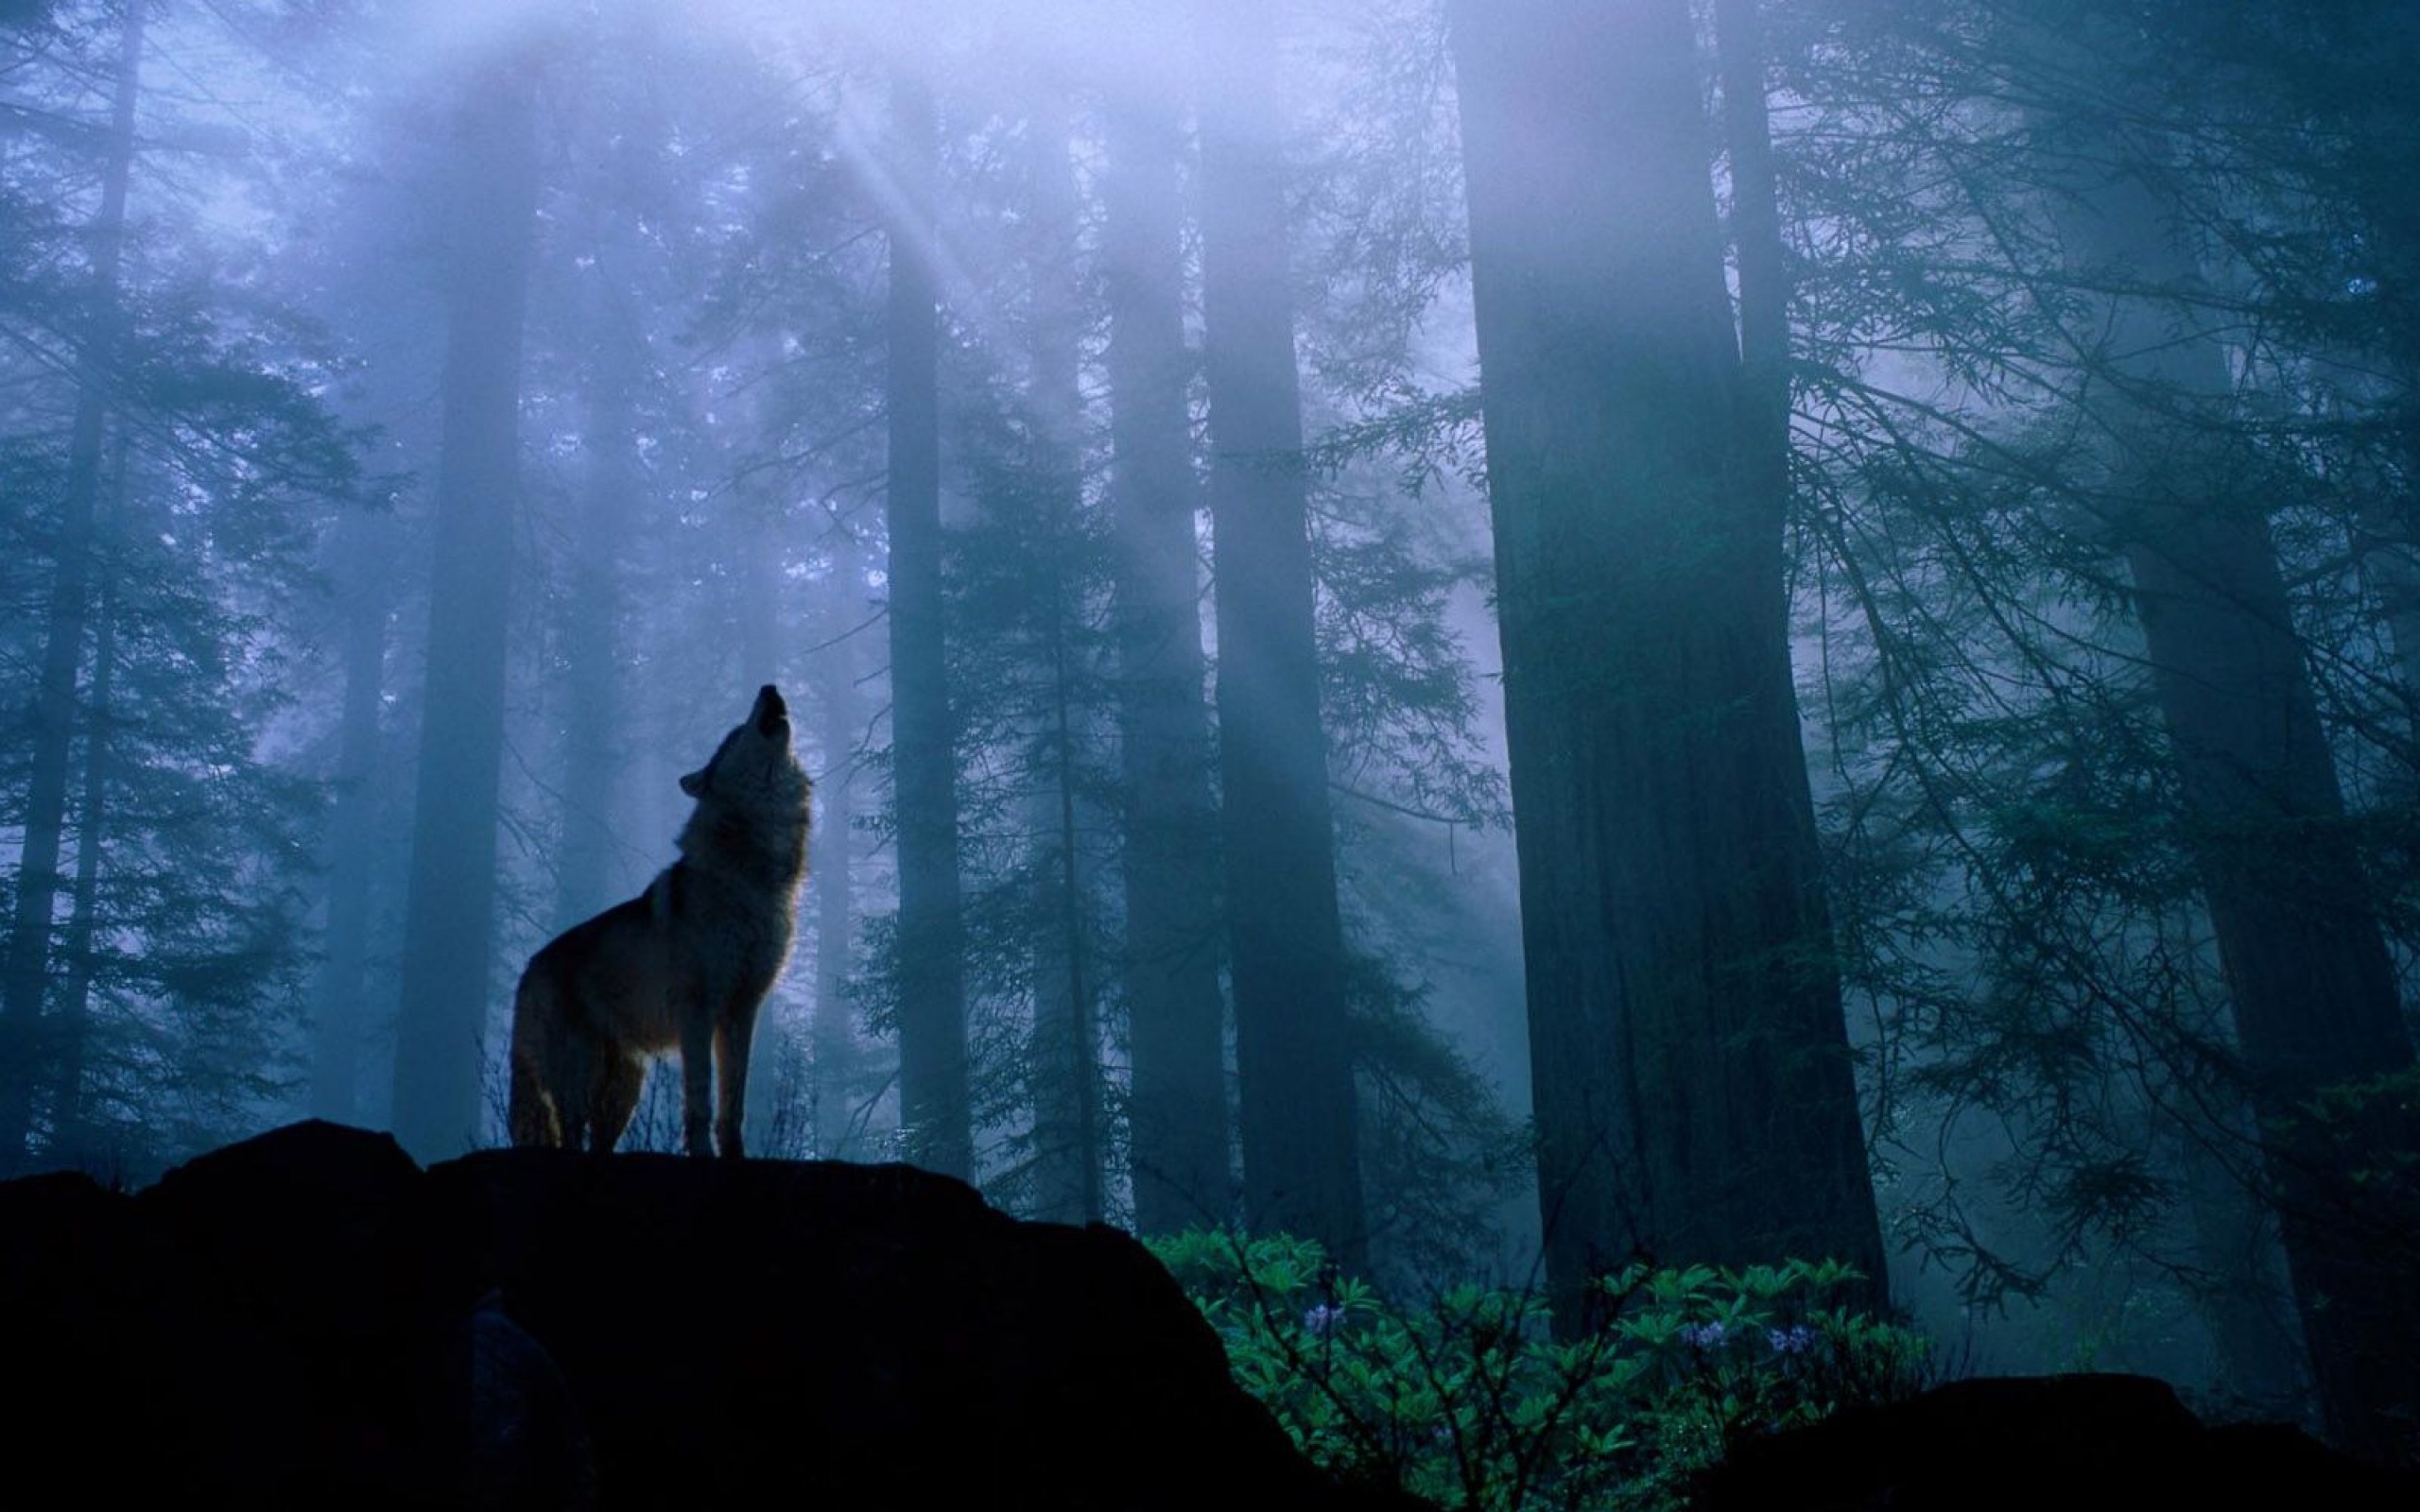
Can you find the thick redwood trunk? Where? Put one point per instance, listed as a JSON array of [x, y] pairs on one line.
[[2316, 1005], [24, 1056], [2314, 992], [1176, 1114], [1286, 937], [1690, 1065], [449, 921], [934, 1107]]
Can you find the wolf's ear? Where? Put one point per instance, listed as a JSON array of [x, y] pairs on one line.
[[693, 782]]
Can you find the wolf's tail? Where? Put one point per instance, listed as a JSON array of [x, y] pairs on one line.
[[531, 1116]]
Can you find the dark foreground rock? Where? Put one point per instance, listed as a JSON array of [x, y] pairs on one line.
[[2079, 1443], [308, 1319]]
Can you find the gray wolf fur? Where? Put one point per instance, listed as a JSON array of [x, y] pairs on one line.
[[684, 966]]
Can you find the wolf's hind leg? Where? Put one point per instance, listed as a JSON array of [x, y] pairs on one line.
[[615, 1086], [697, 1078], [535, 1112], [733, 1038], [530, 1115]]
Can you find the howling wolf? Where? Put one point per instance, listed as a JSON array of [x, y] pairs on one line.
[[683, 966]]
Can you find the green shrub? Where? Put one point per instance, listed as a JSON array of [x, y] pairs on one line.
[[1469, 1401]]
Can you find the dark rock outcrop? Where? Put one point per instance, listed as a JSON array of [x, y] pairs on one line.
[[309, 1318], [2079, 1443]]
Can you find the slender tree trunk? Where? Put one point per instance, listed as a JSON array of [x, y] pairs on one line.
[[69, 1139], [762, 639], [935, 1110], [1286, 953], [1067, 1118], [767, 1119], [2315, 999], [1177, 1113], [1067, 1049], [594, 734], [1690, 1066], [1757, 244], [834, 1041], [449, 921], [352, 824], [1824, 1083], [27, 982]]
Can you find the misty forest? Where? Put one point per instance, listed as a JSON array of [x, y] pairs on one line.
[[1728, 683]]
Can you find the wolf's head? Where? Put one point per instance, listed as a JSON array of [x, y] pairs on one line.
[[754, 769]]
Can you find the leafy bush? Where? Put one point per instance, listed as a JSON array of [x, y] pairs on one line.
[[1469, 1401]]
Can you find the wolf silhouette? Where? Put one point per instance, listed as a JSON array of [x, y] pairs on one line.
[[684, 966]]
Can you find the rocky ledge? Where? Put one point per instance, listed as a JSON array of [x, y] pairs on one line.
[[310, 1318]]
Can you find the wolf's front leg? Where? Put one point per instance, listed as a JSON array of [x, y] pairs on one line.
[[733, 1038], [698, 1079]]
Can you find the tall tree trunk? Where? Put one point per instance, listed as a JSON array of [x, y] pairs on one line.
[[613, 479], [1690, 1065], [74, 1034], [69, 1139], [1067, 1116], [768, 1117], [1176, 1111], [352, 824], [1825, 1087], [764, 504], [23, 1055], [1286, 937], [935, 1110], [833, 1040], [1757, 244], [2316, 1005], [449, 919], [1067, 1050]]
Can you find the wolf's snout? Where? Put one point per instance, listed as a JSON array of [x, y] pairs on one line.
[[770, 710]]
